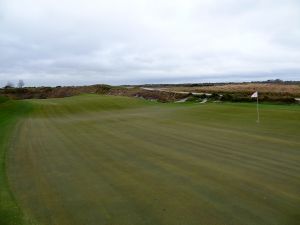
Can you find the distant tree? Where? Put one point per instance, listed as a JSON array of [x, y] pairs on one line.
[[9, 85], [278, 81], [21, 83]]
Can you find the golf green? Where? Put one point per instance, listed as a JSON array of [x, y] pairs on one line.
[[93, 160]]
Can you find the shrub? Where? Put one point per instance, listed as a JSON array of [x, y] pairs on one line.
[[103, 89]]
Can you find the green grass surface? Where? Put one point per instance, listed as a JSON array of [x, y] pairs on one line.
[[10, 112], [93, 160]]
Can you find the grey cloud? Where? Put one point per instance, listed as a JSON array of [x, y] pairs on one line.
[[81, 42]]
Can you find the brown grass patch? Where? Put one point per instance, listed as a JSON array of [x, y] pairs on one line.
[[281, 89]]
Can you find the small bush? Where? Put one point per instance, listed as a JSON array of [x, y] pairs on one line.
[[103, 89], [193, 99]]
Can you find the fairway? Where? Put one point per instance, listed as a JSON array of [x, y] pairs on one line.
[[103, 160]]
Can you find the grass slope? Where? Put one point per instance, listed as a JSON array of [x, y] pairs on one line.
[[10, 112], [114, 160]]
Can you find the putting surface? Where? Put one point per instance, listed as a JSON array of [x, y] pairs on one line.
[[93, 160]]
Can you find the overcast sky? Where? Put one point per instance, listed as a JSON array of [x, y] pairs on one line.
[[74, 42]]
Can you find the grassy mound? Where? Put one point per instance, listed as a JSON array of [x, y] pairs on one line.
[[86, 103], [3, 99]]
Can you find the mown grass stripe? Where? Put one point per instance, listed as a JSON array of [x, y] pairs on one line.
[[10, 113]]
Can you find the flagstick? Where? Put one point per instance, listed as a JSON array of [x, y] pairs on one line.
[[257, 108]]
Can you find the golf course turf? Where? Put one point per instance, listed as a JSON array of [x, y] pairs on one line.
[[93, 160], [10, 112]]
